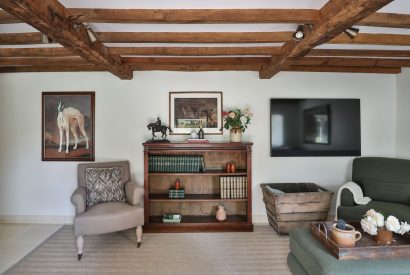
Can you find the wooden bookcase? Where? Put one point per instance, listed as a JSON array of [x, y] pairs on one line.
[[202, 190]]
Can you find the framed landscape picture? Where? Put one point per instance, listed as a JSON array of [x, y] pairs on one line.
[[67, 126], [189, 111]]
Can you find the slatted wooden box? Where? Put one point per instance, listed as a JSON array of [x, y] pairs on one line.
[[295, 205]]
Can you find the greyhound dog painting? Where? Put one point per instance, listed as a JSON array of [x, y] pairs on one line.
[[68, 126], [70, 119]]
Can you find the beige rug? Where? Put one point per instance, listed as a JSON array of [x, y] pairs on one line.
[[259, 252]]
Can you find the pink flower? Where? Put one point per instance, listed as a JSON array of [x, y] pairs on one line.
[[232, 114]]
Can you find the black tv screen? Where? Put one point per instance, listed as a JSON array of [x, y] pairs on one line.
[[315, 127]]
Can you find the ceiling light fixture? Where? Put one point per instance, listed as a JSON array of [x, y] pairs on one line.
[[91, 34], [299, 34], [45, 39], [352, 32]]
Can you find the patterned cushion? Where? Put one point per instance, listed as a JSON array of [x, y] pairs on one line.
[[104, 185]]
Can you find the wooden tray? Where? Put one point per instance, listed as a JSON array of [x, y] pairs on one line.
[[366, 247]]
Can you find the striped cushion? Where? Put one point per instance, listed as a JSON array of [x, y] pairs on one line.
[[104, 185]]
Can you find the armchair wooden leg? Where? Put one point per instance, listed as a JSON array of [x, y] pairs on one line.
[[80, 245], [139, 235]]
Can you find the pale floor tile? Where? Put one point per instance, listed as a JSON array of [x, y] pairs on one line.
[[17, 240]]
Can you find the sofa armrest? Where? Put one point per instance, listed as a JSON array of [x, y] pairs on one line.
[[346, 198], [134, 194], [78, 198]]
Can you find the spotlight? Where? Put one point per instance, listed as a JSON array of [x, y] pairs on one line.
[[352, 32], [45, 39], [299, 34], [91, 34]]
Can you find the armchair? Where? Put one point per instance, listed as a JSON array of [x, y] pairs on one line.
[[107, 216]]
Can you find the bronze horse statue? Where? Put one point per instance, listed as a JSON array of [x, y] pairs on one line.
[[154, 127]]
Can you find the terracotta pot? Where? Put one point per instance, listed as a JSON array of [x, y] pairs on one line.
[[383, 236], [236, 135], [346, 238], [221, 213]]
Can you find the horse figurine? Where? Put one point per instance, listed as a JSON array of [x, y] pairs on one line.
[[157, 127]]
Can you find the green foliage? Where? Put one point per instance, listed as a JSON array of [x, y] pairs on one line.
[[237, 118]]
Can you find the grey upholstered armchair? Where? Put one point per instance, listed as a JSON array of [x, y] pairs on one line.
[[107, 217]]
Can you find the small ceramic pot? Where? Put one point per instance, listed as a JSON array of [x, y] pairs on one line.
[[221, 213], [346, 238]]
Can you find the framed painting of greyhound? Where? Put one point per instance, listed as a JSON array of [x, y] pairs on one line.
[[68, 126], [190, 111]]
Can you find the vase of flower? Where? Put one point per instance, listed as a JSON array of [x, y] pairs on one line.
[[382, 229], [237, 121], [235, 135], [383, 236]]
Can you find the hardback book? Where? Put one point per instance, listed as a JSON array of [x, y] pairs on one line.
[[197, 140]]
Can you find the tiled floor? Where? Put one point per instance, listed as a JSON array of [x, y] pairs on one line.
[[17, 240]]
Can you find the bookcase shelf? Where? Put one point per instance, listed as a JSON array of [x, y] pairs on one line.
[[202, 189], [191, 198]]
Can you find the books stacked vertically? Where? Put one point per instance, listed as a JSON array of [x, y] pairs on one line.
[[176, 193], [176, 164], [233, 187]]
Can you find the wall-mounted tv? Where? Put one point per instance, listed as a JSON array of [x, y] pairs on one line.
[[315, 127]]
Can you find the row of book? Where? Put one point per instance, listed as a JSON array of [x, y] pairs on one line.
[[176, 193], [233, 187], [176, 164]]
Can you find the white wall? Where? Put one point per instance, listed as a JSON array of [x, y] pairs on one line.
[[29, 186], [403, 114]]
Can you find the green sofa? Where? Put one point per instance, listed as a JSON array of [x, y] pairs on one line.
[[386, 181]]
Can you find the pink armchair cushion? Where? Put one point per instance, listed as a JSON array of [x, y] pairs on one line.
[[104, 185]]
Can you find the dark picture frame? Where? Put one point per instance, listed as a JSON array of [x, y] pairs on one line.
[[75, 110], [189, 110]]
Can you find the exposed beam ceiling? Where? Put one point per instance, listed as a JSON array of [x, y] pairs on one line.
[[336, 16], [204, 47], [50, 17]]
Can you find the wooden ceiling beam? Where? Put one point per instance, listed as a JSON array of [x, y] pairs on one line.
[[336, 16], [335, 69], [213, 37], [194, 51], [349, 62], [389, 20], [40, 61], [200, 51], [197, 16], [356, 53], [35, 52], [196, 60], [194, 37], [51, 18], [199, 68], [216, 16]]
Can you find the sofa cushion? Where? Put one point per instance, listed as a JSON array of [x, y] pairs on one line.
[[386, 191], [104, 185], [315, 259], [355, 213]]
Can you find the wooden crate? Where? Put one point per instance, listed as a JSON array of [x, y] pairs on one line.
[[297, 206]]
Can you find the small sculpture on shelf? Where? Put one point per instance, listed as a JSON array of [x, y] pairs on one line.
[[158, 127]]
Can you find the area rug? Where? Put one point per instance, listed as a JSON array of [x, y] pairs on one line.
[[259, 252]]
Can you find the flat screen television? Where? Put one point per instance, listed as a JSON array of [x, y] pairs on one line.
[[315, 127]]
